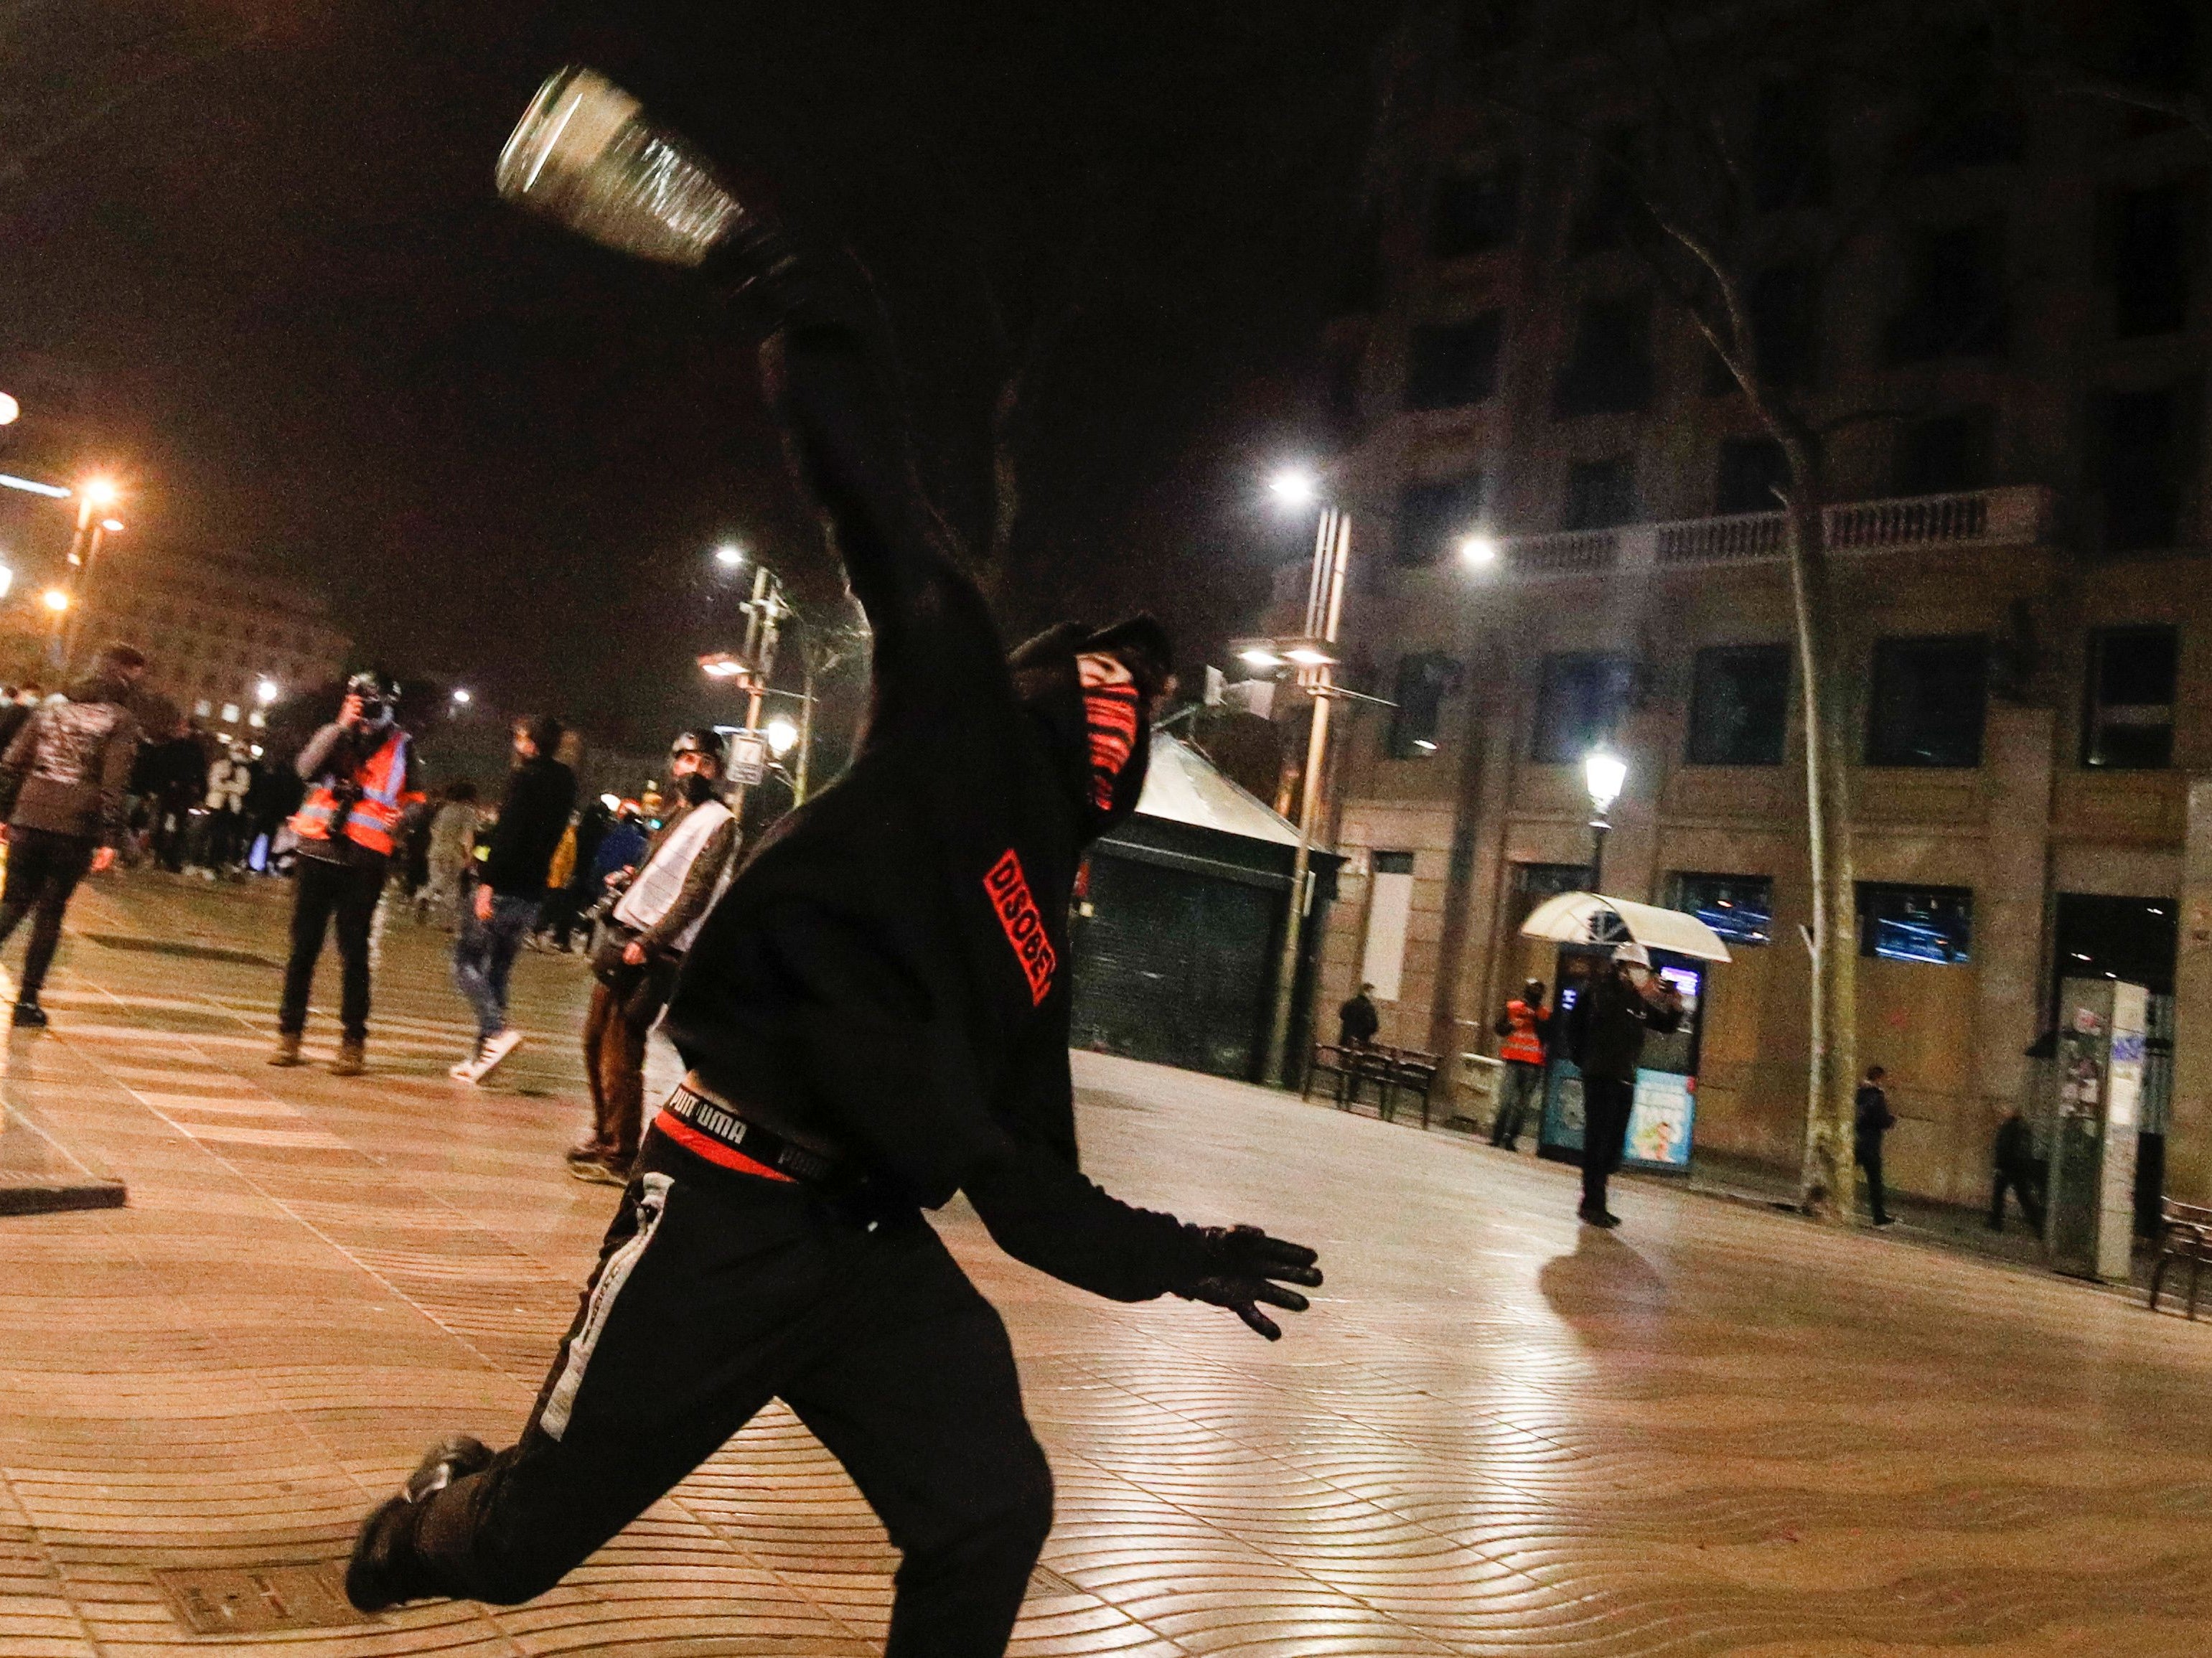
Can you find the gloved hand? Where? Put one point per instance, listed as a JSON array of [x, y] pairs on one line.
[[1240, 1266]]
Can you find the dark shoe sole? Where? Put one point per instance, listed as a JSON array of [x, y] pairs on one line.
[[373, 1581]]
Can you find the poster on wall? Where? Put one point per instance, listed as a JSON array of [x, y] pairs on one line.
[[1659, 1122]]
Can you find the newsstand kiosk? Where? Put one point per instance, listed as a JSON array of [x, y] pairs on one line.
[[2089, 1221], [1661, 1121]]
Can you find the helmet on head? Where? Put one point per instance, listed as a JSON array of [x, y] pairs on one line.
[[377, 695], [700, 741], [1631, 955]]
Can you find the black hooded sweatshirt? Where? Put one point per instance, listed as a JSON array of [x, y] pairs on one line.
[[887, 975]]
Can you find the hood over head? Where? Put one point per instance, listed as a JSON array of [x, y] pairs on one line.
[[1101, 733]]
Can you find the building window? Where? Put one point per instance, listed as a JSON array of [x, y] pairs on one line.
[[1578, 704], [1451, 364], [202, 709], [1944, 454], [1389, 908], [1752, 470], [1534, 883], [1784, 308], [1425, 679], [1739, 706], [1789, 149], [1609, 371], [1475, 210], [1609, 205], [1434, 517], [1600, 493], [2147, 243], [1916, 924], [1955, 306], [1928, 702], [2127, 722], [1740, 908], [230, 713], [2143, 467]]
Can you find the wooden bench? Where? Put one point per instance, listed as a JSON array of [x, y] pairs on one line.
[[1334, 1060], [2185, 1233]]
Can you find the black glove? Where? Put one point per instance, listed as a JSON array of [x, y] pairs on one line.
[[1239, 1268]]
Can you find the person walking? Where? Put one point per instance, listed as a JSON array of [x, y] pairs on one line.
[[222, 842], [1525, 1028], [64, 781], [1606, 1032], [541, 793], [876, 1017], [1357, 1019], [357, 770], [653, 925], [2017, 1169], [1871, 1119], [451, 854]]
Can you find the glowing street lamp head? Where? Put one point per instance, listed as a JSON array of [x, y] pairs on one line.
[[1259, 657], [9, 409], [781, 735], [1295, 487], [112, 525], [462, 696], [101, 492], [1605, 774], [1478, 551], [729, 555], [267, 692], [55, 599]]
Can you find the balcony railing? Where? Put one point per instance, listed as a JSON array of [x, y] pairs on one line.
[[2012, 517]]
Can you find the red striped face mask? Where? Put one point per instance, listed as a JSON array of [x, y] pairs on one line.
[[1109, 712]]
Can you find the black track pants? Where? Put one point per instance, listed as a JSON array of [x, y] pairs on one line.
[[43, 871], [323, 891], [1606, 1109], [716, 1292]]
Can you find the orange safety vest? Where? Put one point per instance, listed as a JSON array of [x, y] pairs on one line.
[[374, 822], [1524, 1045]]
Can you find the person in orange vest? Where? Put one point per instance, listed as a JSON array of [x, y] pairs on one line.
[[357, 770], [1525, 1026]]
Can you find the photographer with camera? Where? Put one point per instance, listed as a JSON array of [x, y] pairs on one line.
[[356, 773]]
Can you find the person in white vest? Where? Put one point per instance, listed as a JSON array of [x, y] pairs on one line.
[[686, 867]]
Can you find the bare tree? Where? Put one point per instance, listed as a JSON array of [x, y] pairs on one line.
[[1710, 150]]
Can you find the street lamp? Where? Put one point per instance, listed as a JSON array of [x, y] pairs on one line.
[[729, 555], [1314, 655], [9, 409], [1604, 774], [7, 580], [267, 691], [1477, 551], [55, 599], [781, 735], [462, 696]]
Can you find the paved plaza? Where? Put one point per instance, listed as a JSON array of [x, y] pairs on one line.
[[1717, 1431]]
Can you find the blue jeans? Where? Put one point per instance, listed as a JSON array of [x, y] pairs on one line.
[[484, 956]]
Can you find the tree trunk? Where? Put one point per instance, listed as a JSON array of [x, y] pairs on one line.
[[1828, 1183]]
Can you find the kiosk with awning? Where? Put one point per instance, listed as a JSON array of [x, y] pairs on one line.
[[1587, 927], [1178, 922]]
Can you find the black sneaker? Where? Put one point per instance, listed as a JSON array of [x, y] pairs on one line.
[[31, 1015], [377, 1575], [1601, 1218]]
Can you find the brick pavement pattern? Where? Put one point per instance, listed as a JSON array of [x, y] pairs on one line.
[[1716, 1432]]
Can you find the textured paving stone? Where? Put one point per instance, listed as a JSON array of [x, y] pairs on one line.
[[1716, 1432]]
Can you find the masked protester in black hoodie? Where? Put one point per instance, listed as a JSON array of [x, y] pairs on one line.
[[876, 1017]]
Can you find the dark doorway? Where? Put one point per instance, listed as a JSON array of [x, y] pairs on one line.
[[2133, 940]]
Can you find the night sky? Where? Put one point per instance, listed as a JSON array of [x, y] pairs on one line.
[[258, 241]]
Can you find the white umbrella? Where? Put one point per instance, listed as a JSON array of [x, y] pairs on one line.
[[1591, 918]]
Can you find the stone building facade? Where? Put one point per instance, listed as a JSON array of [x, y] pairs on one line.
[[2024, 613]]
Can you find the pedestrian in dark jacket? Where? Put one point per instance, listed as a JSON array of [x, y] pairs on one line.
[[1605, 1033], [62, 783], [2019, 1169], [541, 793], [1357, 1021], [1871, 1120], [876, 1017]]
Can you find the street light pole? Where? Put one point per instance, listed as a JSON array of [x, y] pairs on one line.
[[1324, 612]]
